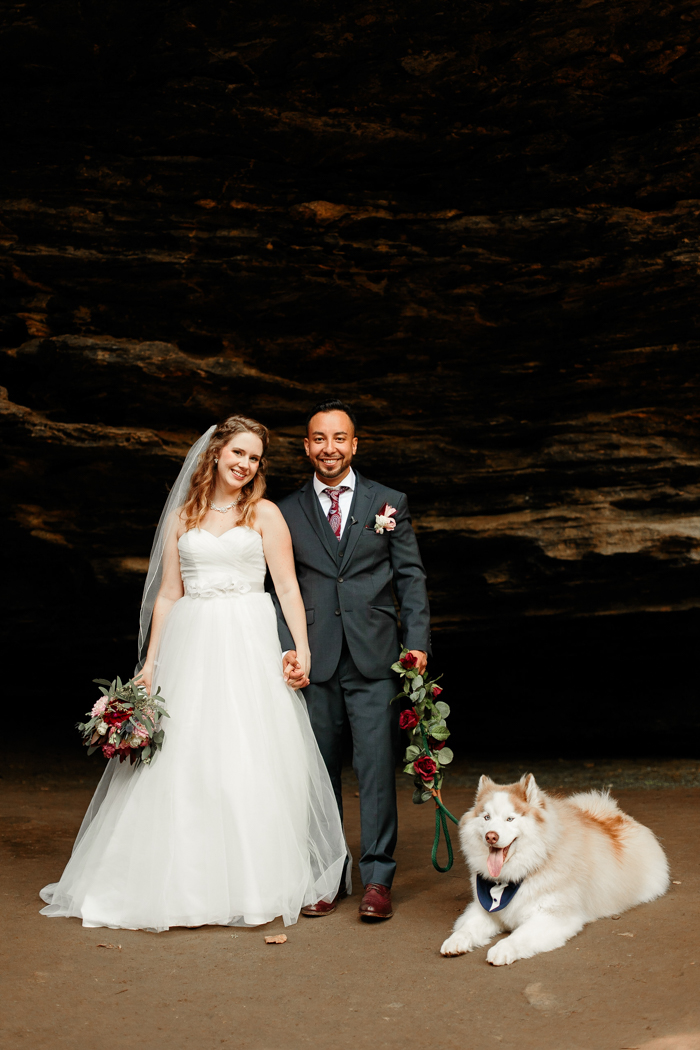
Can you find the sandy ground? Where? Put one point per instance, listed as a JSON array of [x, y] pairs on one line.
[[337, 982]]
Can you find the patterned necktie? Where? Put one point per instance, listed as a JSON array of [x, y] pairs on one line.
[[334, 515]]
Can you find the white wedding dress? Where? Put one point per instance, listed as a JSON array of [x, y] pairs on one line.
[[235, 821]]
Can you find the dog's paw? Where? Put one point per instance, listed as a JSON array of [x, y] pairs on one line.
[[457, 944], [502, 954]]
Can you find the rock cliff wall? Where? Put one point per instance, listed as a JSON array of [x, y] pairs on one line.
[[477, 222]]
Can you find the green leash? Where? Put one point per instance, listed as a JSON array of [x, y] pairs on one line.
[[441, 813]]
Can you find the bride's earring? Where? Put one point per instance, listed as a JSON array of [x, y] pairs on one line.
[[216, 462]]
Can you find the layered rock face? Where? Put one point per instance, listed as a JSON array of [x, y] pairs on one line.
[[478, 223]]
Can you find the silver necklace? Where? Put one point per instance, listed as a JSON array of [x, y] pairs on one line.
[[222, 510]]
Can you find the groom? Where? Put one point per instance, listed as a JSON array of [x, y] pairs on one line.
[[347, 571]]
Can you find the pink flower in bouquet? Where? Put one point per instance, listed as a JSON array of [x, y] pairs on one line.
[[408, 661], [437, 689], [108, 750], [140, 731], [408, 718], [425, 767], [100, 707]]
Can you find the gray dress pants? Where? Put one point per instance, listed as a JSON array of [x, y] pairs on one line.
[[374, 727]]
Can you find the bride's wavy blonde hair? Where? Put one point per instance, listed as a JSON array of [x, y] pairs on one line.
[[203, 481]]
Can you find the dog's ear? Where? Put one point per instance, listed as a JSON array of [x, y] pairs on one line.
[[485, 784], [530, 789]]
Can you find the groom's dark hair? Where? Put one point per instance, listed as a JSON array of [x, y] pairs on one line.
[[332, 404]]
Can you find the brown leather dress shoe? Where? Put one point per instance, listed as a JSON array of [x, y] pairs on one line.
[[376, 903], [314, 911]]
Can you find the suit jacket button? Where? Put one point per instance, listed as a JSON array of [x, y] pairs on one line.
[[340, 579], [337, 612]]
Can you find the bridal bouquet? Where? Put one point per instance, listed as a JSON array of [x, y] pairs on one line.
[[425, 717], [125, 722]]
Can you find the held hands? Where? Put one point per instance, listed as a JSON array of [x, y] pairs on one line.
[[295, 670], [421, 660]]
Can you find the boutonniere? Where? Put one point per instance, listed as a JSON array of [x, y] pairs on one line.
[[384, 521]]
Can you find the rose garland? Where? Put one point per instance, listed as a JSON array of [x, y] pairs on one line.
[[425, 717]]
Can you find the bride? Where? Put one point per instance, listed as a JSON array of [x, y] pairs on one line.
[[235, 821]]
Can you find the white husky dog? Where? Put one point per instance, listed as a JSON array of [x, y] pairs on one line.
[[542, 867]]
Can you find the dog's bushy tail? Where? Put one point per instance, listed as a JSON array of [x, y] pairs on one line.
[[598, 804]]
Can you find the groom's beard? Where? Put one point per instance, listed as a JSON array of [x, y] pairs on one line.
[[330, 472], [333, 472]]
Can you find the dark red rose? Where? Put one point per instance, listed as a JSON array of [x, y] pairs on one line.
[[437, 689], [123, 751], [108, 750], [408, 661], [114, 718], [436, 745], [408, 718], [425, 767]]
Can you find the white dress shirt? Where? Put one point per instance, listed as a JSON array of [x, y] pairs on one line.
[[344, 502]]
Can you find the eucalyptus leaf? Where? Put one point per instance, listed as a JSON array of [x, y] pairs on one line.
[[412, 751], [418, 680], [443, 708], [418, 798], [397, 667], [406, 686], [445, 756], [426, 796], [101, 681], [439, 732], [408, 768]]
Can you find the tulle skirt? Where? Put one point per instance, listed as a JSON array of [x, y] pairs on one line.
[[235, 821]]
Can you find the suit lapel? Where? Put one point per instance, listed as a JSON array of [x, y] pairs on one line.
[[312, 508], [359, 513]]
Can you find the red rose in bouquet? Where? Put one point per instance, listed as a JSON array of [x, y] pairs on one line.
[[408, 718], [425, 767], [437, 689], [115, 718], [436, 745], [409, 661]]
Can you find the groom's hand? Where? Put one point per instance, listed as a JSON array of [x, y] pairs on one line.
[[292, 671], [421, 660]]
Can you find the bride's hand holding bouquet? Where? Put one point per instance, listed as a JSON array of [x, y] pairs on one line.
[[145, 677]]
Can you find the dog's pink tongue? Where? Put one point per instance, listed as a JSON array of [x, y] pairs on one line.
[[495, 862]]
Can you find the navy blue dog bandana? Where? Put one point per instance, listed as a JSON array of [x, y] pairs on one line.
[[494, 896]]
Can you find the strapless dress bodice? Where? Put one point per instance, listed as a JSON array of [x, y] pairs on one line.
[[232, 564]]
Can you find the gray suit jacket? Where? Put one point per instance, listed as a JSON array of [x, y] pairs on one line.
[[347, 585]]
